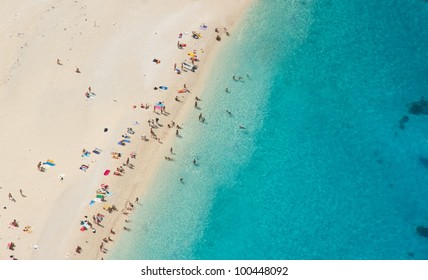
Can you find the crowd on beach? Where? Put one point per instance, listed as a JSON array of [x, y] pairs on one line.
[[103, 206]]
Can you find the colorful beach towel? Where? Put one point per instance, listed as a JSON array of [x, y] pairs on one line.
[[106, 172], [49, 162]]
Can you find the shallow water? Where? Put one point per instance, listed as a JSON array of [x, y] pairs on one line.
[[322, 169]]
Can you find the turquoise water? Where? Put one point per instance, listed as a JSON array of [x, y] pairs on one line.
[[322, 170]]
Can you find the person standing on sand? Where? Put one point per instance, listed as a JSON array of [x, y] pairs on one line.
[[196, 104], [77, 70], [170, 150], [11, 197], [176, 132], [58, 61]]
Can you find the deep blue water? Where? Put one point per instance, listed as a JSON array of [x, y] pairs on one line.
[[322, 170]]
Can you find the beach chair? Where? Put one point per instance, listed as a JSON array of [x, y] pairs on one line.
[[97, 151], [189, 67], [130, 131]]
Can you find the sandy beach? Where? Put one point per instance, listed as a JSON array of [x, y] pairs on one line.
[[75, 79]]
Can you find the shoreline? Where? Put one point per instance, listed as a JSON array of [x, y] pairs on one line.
[[56, 223]]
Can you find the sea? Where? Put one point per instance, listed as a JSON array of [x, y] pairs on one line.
[[311, 153]]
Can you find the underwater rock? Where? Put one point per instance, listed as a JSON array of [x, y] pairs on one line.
[[403, 120], [422, 231], [419, 108], [424, 161]]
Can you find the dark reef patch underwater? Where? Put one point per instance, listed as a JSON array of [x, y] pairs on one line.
[[422, 231], [419, 107]]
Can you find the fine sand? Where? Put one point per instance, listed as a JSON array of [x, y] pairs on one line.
[[45, 115]]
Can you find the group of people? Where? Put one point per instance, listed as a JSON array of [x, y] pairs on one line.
[[153, 124]]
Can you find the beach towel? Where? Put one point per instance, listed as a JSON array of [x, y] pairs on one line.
[[97, 151], [126, 140], [49, 162], [163, 87], [84, 167], [182, 91], [91, 203], [86, 154], [106, 172], [121, 143]]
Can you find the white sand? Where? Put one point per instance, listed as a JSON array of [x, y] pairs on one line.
[[44, 113]]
